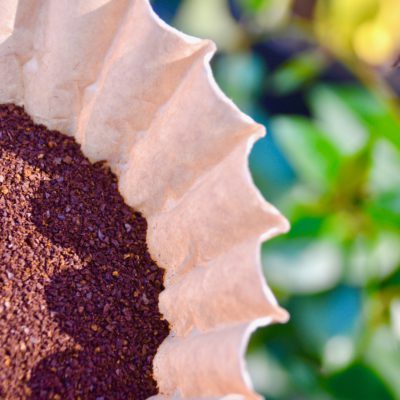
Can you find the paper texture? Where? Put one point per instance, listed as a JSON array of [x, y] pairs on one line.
[[141, 95]]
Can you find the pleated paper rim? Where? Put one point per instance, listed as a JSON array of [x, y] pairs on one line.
[[206, 219]]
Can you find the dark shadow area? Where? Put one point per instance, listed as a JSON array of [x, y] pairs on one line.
[[104, 285], [113, 352]]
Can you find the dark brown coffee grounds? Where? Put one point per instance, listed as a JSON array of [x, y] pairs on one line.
[[79, 291]]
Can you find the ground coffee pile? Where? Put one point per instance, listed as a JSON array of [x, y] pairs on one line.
[[79, 291]]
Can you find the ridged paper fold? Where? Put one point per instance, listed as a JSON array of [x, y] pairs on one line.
[[139, 94]]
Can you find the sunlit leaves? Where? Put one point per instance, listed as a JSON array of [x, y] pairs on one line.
[[363, 29], [314, 157], [372, 111], [347, 155], [336, 120], [259, 16], [194, 17]]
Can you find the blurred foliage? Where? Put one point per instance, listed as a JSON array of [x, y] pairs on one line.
[[367, 29], [319, 75]]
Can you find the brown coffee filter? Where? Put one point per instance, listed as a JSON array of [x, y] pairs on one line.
[[139, 94]]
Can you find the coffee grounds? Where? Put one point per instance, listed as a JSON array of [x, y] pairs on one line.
[[79, 315]]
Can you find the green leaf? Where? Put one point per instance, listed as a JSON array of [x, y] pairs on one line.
[[209, 19], [240, 76], [263, 15], [306, 226], [302, 265], [393, 281], [383, 354], [358, 382], [372, 111], [337, 120], [314, 158], [297, 72], [373, 258], [268, 375], [385, 168], [253, 5], [385, 209]]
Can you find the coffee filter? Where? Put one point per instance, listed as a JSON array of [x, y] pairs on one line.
[[141, 95]]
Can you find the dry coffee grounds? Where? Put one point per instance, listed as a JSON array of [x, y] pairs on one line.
[[79, 291]]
